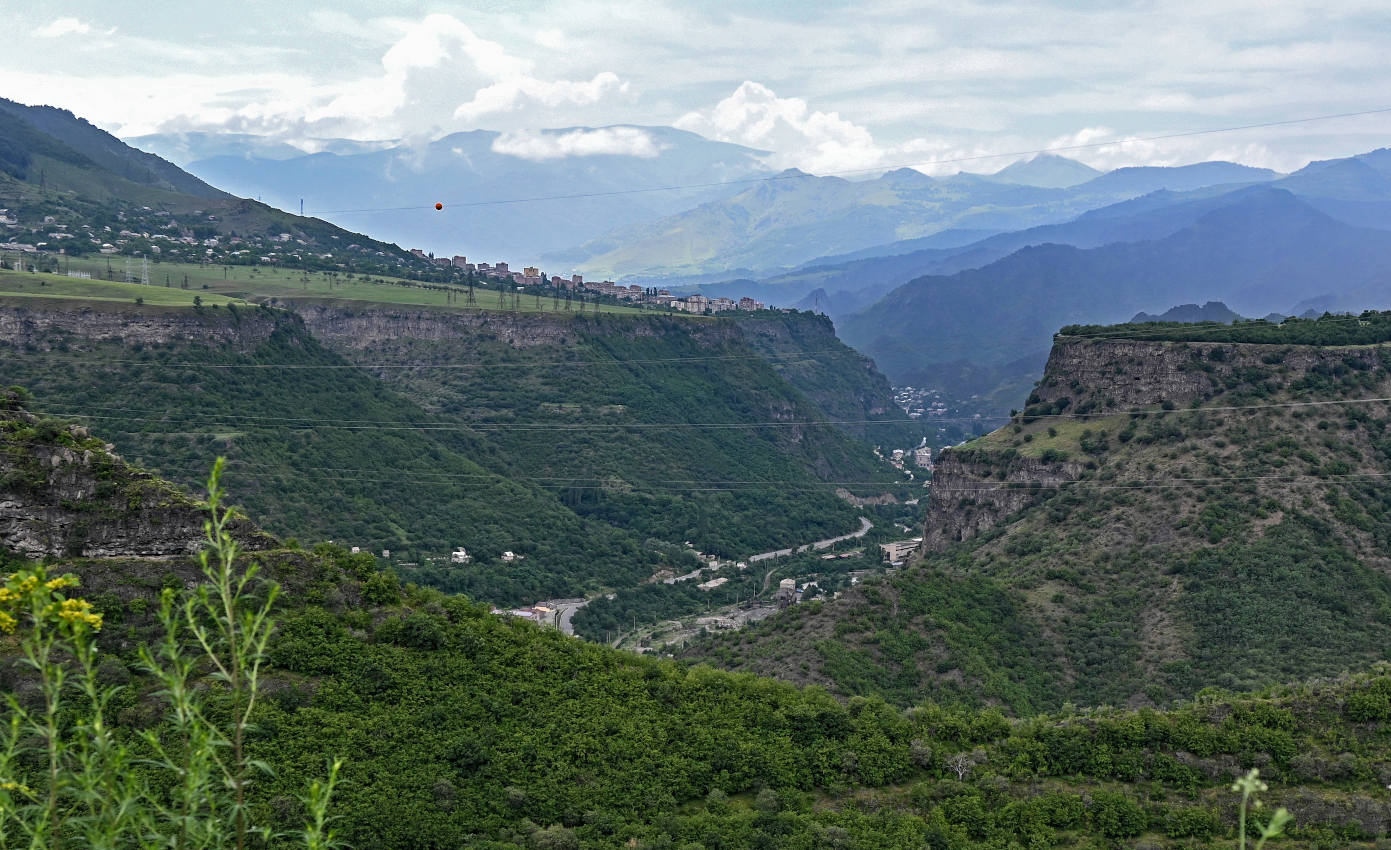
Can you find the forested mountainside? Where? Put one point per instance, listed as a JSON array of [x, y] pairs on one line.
[[1179, 507], [589, 447], [458, 727]]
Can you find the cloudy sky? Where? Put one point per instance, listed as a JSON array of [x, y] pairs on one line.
[[825, 86]]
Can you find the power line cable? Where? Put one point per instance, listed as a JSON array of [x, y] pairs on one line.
[[854, 171], [617, 361], [1091, 484], [308, 423]]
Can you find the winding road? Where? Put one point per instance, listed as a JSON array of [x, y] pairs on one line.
[[565, 608], [865, 526]]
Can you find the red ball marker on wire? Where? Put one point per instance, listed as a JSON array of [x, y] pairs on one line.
[[439, 206]]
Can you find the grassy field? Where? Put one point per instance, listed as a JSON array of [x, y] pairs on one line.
[[29, 285], [262, 283], [1037, 437]]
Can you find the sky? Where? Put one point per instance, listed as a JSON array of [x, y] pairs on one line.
[[827, 87]]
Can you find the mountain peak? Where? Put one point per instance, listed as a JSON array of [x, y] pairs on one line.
[[1047, 171], [907, 177], [1212, 311]]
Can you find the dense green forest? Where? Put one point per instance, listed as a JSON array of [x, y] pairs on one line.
[[457, 726], [461, 728], [676, 430], [321, 450]]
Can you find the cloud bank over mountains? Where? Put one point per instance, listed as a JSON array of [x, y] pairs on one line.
[[612, 141], [824, 86]]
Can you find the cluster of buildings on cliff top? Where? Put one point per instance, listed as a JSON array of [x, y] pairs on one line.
[[532, 276]]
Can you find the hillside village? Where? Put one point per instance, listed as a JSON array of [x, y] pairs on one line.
[[532, 276], [155, 235]]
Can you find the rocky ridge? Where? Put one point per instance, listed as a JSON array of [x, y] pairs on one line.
[[64, 493], [1164, 516]]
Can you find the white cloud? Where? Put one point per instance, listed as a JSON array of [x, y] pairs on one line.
[[511, 94], [441, 70], [884, 82], [435, 75], [617, 141], [797, 135], [62, 27], [552, 39]]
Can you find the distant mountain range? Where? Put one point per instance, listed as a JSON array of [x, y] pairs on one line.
[[785, 222], [655, 204], [852, 283], [1260, 249], [1046, 170], [505, 197], [1212, 311]]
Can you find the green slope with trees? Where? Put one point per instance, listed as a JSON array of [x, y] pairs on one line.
[[584, 451], [457, 727]]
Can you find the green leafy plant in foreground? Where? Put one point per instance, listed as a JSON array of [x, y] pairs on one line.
[[1249, 786], [68, 778]]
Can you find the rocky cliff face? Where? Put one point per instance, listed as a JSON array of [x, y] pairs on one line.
[[66, 494], [975, 488], [357, 328], [803, 349], [844, 383], [1107, 375], [973, 492], [49, 328]]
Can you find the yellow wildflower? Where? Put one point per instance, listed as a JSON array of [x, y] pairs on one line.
[[8, 785], [60, 582], [7, 623], [7, 595], [79, 611]]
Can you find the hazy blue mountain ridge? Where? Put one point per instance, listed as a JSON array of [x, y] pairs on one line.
[[1047, 170], [786, 222], [1264, 250], [1212, 311], [498, 206]]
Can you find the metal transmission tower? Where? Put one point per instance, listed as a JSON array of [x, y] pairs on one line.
[[145, 270], [129, 277]]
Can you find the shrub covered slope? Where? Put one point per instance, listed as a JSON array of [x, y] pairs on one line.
[[1172, 511]]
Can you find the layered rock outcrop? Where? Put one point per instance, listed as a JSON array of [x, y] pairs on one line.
[[66, 494]]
